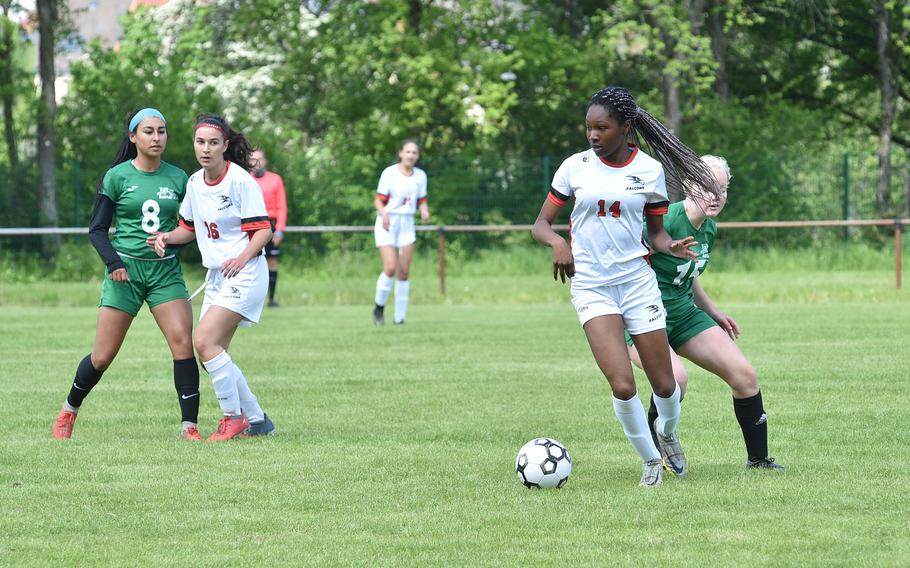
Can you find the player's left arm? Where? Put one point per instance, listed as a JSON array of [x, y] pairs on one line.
[[704, 302], [282, 213], [258, 240], [422, 201]]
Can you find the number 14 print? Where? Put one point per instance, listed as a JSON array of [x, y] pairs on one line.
[[613, 209]]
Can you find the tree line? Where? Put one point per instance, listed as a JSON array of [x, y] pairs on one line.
[[492, 87]]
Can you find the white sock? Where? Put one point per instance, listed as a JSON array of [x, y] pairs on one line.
[[631, 415], [383, 288], [667, 412], [401, 299], [69, 408], [248, 402], [224, 381]]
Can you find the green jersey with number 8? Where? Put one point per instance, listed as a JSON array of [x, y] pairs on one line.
[[147, 203], [674, 274]]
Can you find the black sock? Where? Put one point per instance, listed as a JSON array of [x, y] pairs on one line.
[[273, 283], [652, 416], [87, 376], [750, 413], [186, 381]]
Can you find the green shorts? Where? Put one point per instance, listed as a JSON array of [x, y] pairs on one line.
[[683, 324], [151, 281]]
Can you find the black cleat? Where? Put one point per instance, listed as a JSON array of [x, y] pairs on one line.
[[273, 304], [379, 315], [398, 322], [764, 463]]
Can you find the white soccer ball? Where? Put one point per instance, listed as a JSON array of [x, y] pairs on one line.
[[543, 463]]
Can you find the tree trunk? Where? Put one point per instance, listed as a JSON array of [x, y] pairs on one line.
[[887, 118], [672, 109], [719, 46], [47, 139], [415, 11], [8, 87]]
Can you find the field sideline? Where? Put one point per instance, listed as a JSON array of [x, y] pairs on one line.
[[396, 446]]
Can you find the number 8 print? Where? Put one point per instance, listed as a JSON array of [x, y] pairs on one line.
[[150, 221]]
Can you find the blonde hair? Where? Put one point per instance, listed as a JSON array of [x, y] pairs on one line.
[[718, 162]]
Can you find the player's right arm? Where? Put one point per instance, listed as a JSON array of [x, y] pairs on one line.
[[543, 233], [160, 241], [379, 203], [703, 302], [99, 236]]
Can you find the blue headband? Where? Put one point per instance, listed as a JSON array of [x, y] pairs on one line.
[[143, 114]]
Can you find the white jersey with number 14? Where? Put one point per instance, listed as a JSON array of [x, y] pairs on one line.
[[608, 215]]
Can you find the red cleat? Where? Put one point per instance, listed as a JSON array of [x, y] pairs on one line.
[[192, 434], [229, 427], [63, 425]]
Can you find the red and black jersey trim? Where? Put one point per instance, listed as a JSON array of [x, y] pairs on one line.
[[185, 223], [251, 224], [557, 198], [657, 209], [421, 201], [383, 198]]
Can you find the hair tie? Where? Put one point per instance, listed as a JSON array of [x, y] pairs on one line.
[[143, 114]]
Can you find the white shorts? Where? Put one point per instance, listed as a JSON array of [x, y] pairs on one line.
[[243, 294], [401, 231], [637, 301]]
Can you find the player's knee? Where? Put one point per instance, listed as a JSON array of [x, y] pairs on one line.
[[389, 270], [204, 342], [744, 380], [182, 347], [401, 274], [623, 387]]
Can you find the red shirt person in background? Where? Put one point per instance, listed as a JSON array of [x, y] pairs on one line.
[[277, 206]]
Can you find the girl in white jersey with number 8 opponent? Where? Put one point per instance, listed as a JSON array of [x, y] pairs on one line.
[[225, 212], [616, 188]]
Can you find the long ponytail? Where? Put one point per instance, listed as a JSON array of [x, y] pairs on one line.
[[686, 172]]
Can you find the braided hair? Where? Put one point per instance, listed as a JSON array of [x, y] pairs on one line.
[[686, 172], [239, 149]]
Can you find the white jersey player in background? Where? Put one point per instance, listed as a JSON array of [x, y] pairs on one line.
[[617, 187], [402, 190], [225, 212]]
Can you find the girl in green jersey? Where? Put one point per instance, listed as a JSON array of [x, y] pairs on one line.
[[143, 193], [696, 328]]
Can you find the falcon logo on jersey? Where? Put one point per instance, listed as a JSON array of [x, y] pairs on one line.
[[166, 193], [225, 202], [638, 184], [235, 292]]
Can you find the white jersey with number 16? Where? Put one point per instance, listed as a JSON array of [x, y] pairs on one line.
[[223, 214]]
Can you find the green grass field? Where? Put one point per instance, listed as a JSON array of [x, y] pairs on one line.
[[396, 445]]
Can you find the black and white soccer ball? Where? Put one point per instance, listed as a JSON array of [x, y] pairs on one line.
[[543, 463]]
